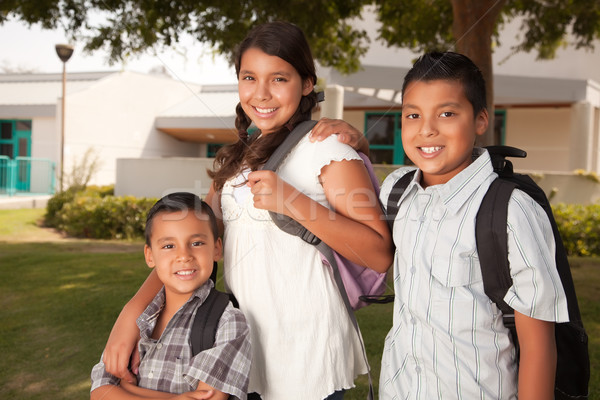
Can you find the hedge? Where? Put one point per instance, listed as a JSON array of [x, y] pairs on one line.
[[579, 227], [95, 213]]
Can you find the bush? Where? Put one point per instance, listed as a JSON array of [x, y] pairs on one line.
[[579, 227], [55, 205], [95, 213]]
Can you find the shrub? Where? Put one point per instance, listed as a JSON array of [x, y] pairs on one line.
[[58, 201], [579, 227], [55, 205], [95, 213]]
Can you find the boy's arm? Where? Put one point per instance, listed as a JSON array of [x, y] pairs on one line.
[[125, 333], [537, 362], [346, 133]]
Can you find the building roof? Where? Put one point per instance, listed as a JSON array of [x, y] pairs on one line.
[[31, 95]]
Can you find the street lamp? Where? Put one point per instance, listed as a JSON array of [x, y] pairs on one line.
[[64, 52]]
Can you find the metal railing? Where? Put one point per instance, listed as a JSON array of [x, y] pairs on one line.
[[26, 176]]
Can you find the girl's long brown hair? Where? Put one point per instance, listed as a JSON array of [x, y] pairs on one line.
[[286, 41]]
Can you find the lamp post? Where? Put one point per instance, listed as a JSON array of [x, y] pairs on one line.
[[64, 52]]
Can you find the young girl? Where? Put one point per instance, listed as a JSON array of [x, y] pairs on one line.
[[303, 342]]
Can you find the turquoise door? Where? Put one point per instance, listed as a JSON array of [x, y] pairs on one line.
[[15, 141]]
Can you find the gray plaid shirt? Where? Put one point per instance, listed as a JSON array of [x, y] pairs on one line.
[[167, 364]]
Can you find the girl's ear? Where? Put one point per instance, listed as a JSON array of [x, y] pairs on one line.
[[148, 256], [481, 122], [307, 86]]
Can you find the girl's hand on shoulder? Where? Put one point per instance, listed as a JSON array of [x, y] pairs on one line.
[[117, 357], [270, 192], [346, 133]]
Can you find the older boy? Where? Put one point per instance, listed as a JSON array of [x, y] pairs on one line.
[[448, 340], [182, 243]]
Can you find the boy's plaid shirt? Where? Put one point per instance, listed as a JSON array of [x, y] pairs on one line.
[[167, 364]]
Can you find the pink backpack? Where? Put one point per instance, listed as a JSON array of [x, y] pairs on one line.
[[356, 283]]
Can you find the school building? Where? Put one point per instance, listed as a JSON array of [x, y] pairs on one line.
[[153, 134]]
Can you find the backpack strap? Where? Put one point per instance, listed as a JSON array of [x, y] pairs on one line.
[[204, 328], [492, 242], [284, 222], [395, 194]]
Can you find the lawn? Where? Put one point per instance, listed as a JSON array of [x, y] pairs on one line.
[[58, 300]]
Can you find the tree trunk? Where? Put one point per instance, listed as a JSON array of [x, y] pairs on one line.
[[473, 26]]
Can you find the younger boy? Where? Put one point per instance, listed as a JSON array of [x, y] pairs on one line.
[[181, 244], [448, 340]]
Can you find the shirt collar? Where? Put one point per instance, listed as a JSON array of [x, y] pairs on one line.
[[461, 187], [147, 320]]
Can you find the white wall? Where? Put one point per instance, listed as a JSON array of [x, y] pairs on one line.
[[544, 133], [156, 177], [44, 134], [116, 116]]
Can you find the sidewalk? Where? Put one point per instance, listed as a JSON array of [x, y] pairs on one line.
[[16, 202]]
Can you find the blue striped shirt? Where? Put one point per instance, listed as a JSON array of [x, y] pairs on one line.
[[448, 340]]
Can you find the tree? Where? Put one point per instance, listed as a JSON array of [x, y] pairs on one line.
[[125, 27], [470, 27], [467, 26]]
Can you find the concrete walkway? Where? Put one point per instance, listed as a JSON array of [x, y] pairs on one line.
[[16, 202]]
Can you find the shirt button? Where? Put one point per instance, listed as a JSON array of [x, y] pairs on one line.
[[151, 375], [422, 218], [159, 346], [413, 270], [418, 369], [413, 321]]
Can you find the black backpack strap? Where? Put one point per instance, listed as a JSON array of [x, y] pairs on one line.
[[492, 242], [291, 140], [283, 222], [395, 194], [204, 328]]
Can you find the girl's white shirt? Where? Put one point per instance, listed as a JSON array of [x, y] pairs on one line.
[[304, 345]]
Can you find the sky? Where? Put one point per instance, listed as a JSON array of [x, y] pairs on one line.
[[24, 48]]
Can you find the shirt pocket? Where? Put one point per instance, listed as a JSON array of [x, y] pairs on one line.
[[459, 301], [456, 271]]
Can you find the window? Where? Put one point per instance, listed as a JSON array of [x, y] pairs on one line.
[[383, 131], [6, 130], [15, 138]]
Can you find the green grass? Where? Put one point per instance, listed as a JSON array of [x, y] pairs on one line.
[[19, 223], [58, 302]]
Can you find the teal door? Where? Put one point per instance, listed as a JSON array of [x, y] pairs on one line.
[[15, 141]]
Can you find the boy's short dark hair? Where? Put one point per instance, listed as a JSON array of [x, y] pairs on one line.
[[181, 201], [452, 67]]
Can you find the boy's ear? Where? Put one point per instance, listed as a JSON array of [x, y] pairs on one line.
[[307, 87], [218, 249], [481, 122], [148, 256]]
